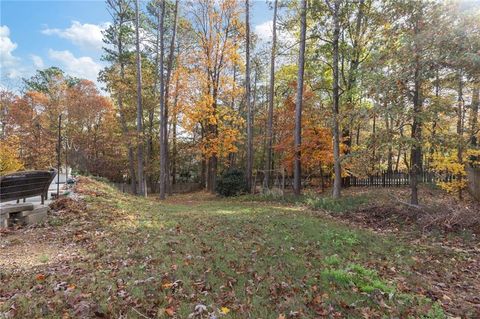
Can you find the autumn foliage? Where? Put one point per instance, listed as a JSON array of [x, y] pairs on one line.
[[89, 130]]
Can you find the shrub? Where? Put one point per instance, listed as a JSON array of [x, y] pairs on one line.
[[231, 183]]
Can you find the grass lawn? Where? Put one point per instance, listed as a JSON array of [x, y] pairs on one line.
[[197, 256]]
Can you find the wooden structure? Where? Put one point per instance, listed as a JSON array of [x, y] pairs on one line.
[[23, 184]]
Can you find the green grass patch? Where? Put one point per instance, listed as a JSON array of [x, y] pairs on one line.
[[339, 205], [312, 200], [366, 280]]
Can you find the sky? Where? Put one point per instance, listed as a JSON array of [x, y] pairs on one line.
[[67, 34]]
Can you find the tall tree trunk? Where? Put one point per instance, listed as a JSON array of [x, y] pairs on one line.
[[268, 162], [435, 119], [460, 126], [212, 173], [149, 152], [232, 155], [174, 134], [123, 121], [249, 173], [297, 171], [213, 131], [352, 80], [337, 183], [167, 89], [163, 120], [374, 141], [204, 168], [416, 150], [151, 114], [141, 174], [388, 126], [474, 114]]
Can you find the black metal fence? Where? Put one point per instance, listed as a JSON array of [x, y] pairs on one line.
[[380, 179], [396, 179]]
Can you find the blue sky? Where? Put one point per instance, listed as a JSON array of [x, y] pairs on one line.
[[67, 34]]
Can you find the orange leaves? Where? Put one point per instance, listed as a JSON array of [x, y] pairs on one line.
[[167, 285], [89, 126], [212, 89], [317, 147], [40, 277], [170, 311]]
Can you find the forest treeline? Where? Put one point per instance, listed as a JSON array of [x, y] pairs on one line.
[[341, 88]]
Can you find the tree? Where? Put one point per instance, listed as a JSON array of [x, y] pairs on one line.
[[297, 172], [167, 89], [249, 174], [118, 37], [163, 119], [141, 174], [216, 29], [268, 163], [418, 78], [336, 100]]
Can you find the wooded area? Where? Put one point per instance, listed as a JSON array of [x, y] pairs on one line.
[[351, 88]]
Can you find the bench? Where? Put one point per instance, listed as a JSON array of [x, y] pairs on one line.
[[20, 185]]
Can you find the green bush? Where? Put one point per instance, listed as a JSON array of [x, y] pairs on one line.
[[231, 183]]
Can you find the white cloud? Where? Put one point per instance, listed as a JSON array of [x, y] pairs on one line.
[[8, 62], [37, 61], [87, 36], [83, 67], [264, 30]]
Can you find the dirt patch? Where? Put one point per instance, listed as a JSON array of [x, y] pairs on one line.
[[26, 249], [23, 248]]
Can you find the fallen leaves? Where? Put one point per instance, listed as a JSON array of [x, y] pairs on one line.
[[224, 310], [170, 311], [40, 277], [167, 285], [222, 266]]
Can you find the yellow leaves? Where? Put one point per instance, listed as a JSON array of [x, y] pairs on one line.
[[167, 285], [449, 164], [224, 310], [9, 159], [452, 186]]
